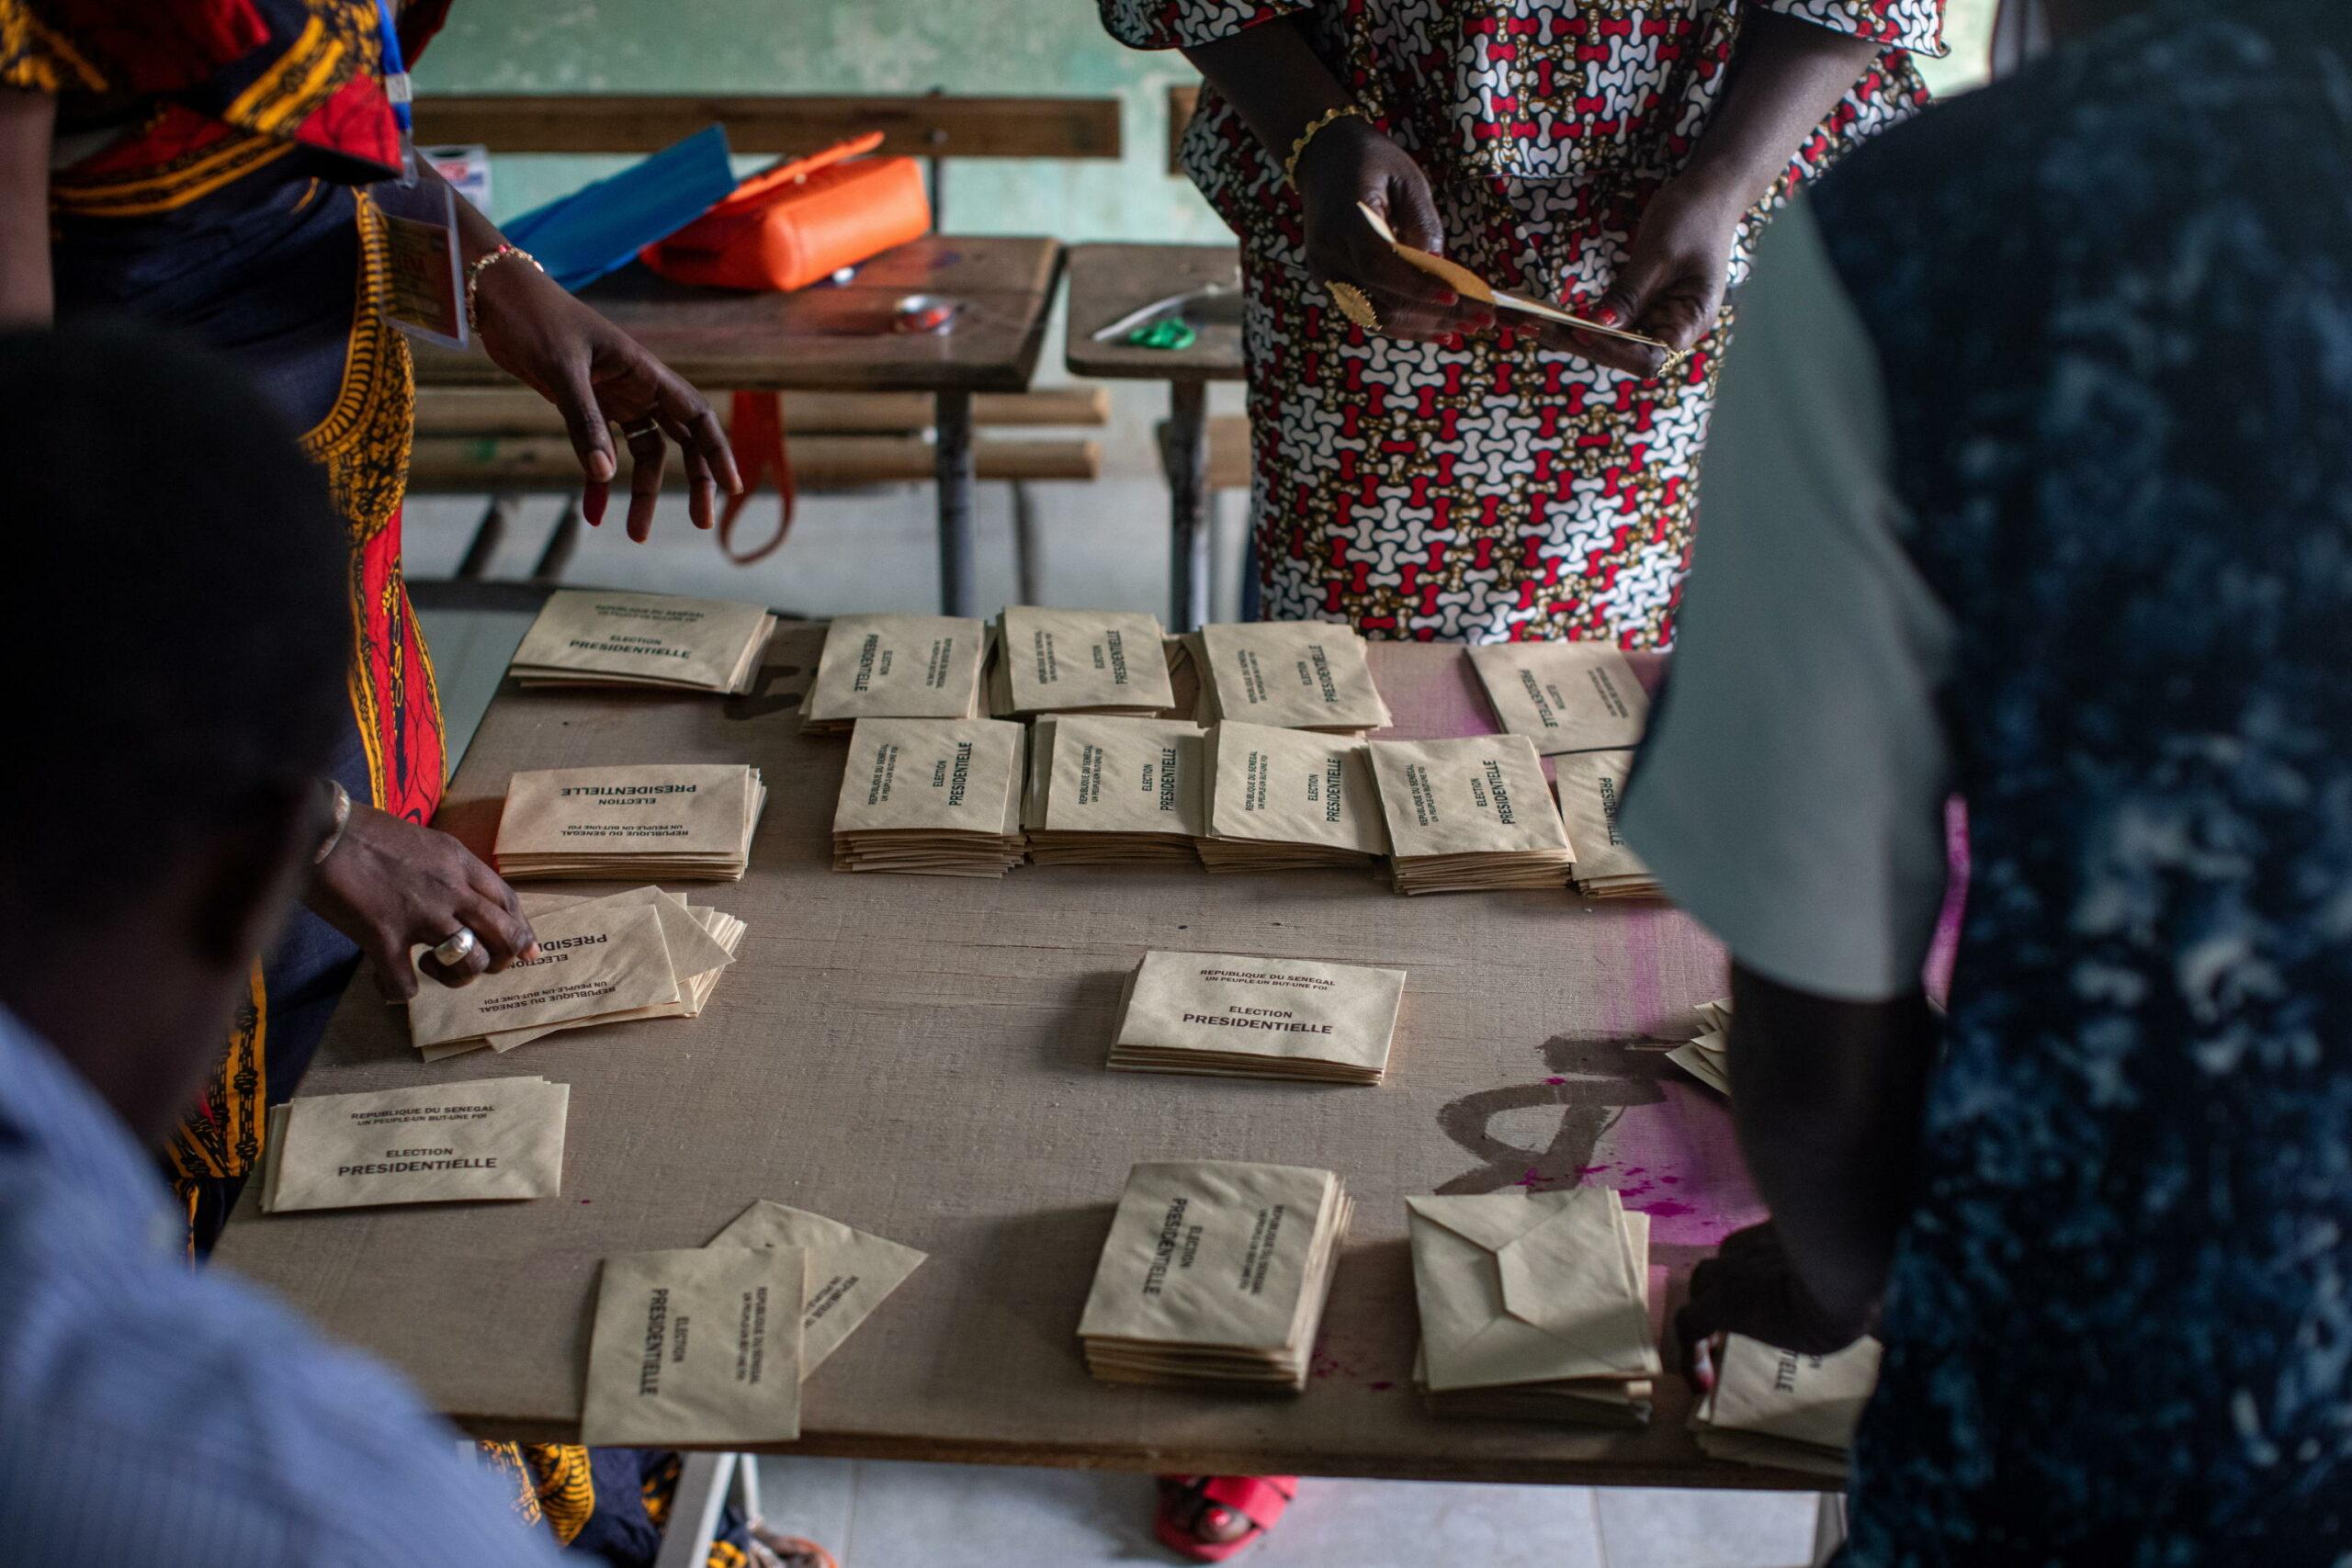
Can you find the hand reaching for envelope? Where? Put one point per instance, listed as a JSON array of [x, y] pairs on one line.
[[390, 886], [1749, 1287]]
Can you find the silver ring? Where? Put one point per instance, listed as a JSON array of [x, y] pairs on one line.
[[651, 427], [455, 948]]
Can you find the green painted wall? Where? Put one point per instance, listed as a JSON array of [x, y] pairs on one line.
[[884, 45]]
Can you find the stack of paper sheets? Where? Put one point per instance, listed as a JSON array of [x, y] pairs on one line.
[[930, 796], [1704, 1058], [1289, 800], [1097, 661], [643, 953], [895, 667], [1215, 1273], [1592, 786], [665, 821], [1466, 816], [1287, 674], [1534, 1306], [1775, 1407], [492, 1138], [1230, 1015], [1565, 696], [588, 639], [1116, 791]]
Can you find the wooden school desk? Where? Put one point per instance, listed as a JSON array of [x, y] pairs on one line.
[[1110, 281], [839, 339], [921, 1057]]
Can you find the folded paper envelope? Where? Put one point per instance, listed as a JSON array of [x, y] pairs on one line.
[[1528, 1290]]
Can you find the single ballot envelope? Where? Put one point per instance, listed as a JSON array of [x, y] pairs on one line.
[[492, 1138], [697, 1346], [886, 665], [1565, 696], [850, 1272], [1539, 1288]]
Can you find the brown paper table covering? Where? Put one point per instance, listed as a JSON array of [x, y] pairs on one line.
[[921, 1058]]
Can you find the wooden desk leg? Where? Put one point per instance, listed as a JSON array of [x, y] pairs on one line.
[[957, 595], [1186, 459]]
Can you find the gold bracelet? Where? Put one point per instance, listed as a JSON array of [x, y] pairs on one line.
[[481, 265], [1314, 127]]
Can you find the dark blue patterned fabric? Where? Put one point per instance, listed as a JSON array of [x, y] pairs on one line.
[[2113, 303]]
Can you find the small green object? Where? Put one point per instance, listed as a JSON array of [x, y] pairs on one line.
[[1168, 332]]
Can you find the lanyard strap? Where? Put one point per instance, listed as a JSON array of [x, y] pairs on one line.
[[393, 64]]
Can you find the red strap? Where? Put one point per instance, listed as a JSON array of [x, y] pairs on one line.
[[755, 434]]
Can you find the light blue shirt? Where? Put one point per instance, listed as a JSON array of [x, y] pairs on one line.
[[172, 1419]]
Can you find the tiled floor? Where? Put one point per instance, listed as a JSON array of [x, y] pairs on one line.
[[875, 1515], [1105, 545]]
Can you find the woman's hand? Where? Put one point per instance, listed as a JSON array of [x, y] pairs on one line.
[[595, 373], [1671, 286], [390, 885], [1351, 161]]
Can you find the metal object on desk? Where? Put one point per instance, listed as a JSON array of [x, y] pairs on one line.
[[926, 313], [1212, 305]]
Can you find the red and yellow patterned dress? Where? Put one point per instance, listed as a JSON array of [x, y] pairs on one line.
[[209, 177], [1489, 490]]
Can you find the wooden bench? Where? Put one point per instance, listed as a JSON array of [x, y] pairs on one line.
[[508, 444]]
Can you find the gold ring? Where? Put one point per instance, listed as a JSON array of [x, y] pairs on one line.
[[1354, 305]]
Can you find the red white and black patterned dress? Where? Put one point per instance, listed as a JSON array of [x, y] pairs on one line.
[[1489, 490]]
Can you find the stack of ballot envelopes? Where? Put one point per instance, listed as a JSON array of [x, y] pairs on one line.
[[1470, 814], [1090, 662], [1233, 1015], [1705, 1057], [490, 1139], [1591, 788], [1534, 1306], [1563, 697], [776, 1292], [932, 797], [1215, 1273], [1289, 800], [895, 667], [1776, 1407], [642, 953], [588, 638], [1287, 674], [1116, 791], [662, 822]]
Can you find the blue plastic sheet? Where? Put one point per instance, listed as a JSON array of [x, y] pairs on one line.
[[601, 227]]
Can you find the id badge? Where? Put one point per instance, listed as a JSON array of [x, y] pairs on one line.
[[427, 293]]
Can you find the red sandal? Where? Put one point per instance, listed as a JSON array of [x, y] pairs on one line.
[[1187, 1501]]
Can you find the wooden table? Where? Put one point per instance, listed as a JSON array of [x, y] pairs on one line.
[[840, 339], [922, 1058], [1109, 281]]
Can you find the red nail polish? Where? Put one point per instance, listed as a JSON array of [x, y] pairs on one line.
[[1606, 315]]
